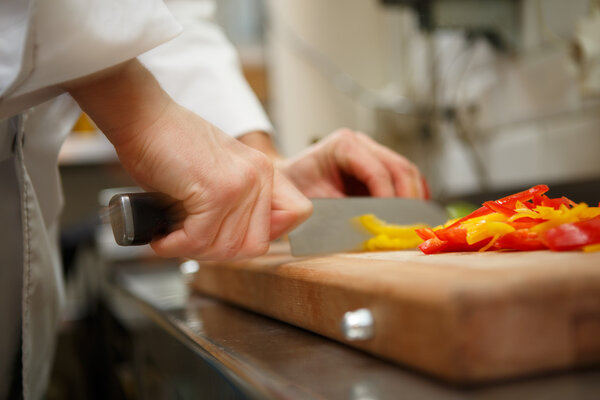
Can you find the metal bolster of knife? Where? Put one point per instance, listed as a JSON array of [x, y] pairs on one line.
[[139, 218]]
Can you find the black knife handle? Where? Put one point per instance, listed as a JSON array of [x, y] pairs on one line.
[[139, 218]]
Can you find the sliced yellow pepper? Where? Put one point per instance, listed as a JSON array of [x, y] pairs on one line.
[[591, 248], [384, 242], [558, 217], [390, 236], [487, 229]]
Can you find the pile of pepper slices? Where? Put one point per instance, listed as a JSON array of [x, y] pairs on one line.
[[528, 220]]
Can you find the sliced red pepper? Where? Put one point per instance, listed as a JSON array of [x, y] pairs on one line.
[[453, 234], [425, 233], [556, 203], [569, 201], [481, 211], [521, 239], [564, 237], [538, 199], [436, 245], [506, 205], [523, 196], [433, 246], [454, 247], [499, 208], [526, 223], [573, 236]]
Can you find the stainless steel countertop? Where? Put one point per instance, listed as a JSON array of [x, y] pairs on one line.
[[270, 359]]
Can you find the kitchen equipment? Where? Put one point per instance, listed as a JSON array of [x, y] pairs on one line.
[[463, 317]]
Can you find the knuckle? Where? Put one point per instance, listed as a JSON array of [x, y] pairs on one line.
[[159, 251], [261, 162], [248, 177], [378, 174], [230, 246], [236, 184], [225, 253], [257, 248], [304, 209], [414, 171], [344, 134], [262, 247], [403, 164], [201, 246], [346, 147], [364, 136], [201, 240], [220, 253], [228, 190]]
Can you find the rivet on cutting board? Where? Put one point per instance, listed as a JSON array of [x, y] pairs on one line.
[[357, 324], [189, 267]]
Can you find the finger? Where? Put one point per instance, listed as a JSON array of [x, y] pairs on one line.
[[426, 190], [234, 229], [289, 207], [197, 234], [245, 191], [359, 161], [256, 239], [200, 227], [323, 190], [407, 179]]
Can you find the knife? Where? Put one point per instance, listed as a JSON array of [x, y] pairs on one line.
[[139, 218]]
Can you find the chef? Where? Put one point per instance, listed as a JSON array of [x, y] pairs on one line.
[[239, 194]]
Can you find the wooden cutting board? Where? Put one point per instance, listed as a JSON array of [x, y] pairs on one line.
[[463, 317]]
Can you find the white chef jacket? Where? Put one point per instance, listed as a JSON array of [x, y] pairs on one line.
[[44, 43], [199, 69]]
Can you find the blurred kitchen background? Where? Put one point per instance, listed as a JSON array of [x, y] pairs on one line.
[[481, 95]]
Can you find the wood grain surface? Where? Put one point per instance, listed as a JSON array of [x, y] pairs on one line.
[[463, 317]]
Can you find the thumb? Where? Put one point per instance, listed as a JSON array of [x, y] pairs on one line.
[[289, 207]]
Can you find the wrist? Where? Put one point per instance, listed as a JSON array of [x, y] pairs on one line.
[[124, 101], [261, 141]]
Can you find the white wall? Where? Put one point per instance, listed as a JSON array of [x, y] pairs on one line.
[[348, 32]]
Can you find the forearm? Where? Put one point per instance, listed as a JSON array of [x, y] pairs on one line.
[[123, 101]]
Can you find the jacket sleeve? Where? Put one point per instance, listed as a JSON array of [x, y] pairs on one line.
[[201, 71], [61, 40]]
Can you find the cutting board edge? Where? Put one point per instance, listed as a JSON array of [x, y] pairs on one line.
[[451, 367], [431, 346]]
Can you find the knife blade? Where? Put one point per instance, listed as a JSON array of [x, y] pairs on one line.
[[332, 227]]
